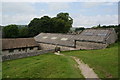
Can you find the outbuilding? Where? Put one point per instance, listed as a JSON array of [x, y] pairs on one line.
[[19, 45], [87, 39]]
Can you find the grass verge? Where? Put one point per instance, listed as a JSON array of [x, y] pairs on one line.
[[42, 66], [104, 61]]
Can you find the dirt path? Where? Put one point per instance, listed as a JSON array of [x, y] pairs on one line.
[[86, 71]]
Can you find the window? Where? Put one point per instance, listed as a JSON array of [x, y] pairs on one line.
[[31, 48], [54, 38], [64, 39], [19, 49], [101, 34], [11, 50], [23, 49], [45, 37], [89, 34]]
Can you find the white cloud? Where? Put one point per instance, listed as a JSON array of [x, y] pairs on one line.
[[95, 4], [17, 19], [16, 7], [21, 19], [79, 20], [0, 14], [39, 0], [25, 12], [53, 6], [60, 0], [91, 4], [89, 21]]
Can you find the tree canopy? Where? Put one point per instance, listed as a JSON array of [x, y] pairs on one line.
[[59, 24], [14, 31], [10, 31]]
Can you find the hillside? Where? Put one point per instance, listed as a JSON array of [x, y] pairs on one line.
[[104, 62], [42, 66]]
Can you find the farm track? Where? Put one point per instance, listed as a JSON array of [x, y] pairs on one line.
[[86, 71]]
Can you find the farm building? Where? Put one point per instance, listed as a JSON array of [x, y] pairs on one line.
[[88, 39], [19, 45], [96, 38]]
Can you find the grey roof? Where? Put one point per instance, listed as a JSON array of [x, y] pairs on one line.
[[67, 40], [93, 35], [12, 43]]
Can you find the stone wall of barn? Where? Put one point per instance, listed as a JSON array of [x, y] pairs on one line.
[[112, 37], [23, 55], [20, 50], [44, 46], [89, 45]]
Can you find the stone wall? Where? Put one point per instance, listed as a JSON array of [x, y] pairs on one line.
[[20, 50], [23, 55], [79, 45], [112, 37], [90, 45], [51, 46]]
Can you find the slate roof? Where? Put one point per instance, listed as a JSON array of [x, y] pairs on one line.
[[90, 35], [18, 43], [61, 39], [95, 35]]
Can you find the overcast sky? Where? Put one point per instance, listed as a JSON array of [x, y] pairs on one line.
[[84, 14]]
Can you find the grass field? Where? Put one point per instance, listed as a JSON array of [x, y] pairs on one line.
[[42, 66], [104, 62]]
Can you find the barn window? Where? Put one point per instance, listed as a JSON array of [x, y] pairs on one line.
[[11, 50], [23, 49], [31, 48], [54, 38], [88, 34], [64, 39], [45, 37], [101, 34], [19, 49]]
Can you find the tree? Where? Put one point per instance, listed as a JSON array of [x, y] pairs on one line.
[[67, 20], [46, 24], [38, 25], [10, 31], [33, 27], [59, 24], [80, 28], [23, 32]]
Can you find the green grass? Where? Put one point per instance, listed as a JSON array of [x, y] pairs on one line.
[[104, 61], [42, 66]]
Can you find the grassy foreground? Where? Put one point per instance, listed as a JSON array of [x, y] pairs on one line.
[[42, 66], [104, 62]]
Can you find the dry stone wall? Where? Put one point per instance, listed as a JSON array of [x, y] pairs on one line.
[[23, 55], [21, 51], [90, 45], [51, 46]]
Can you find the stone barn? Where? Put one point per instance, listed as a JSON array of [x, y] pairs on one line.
[[19, 45], [48, 41], [96, 38], [88, 39]]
